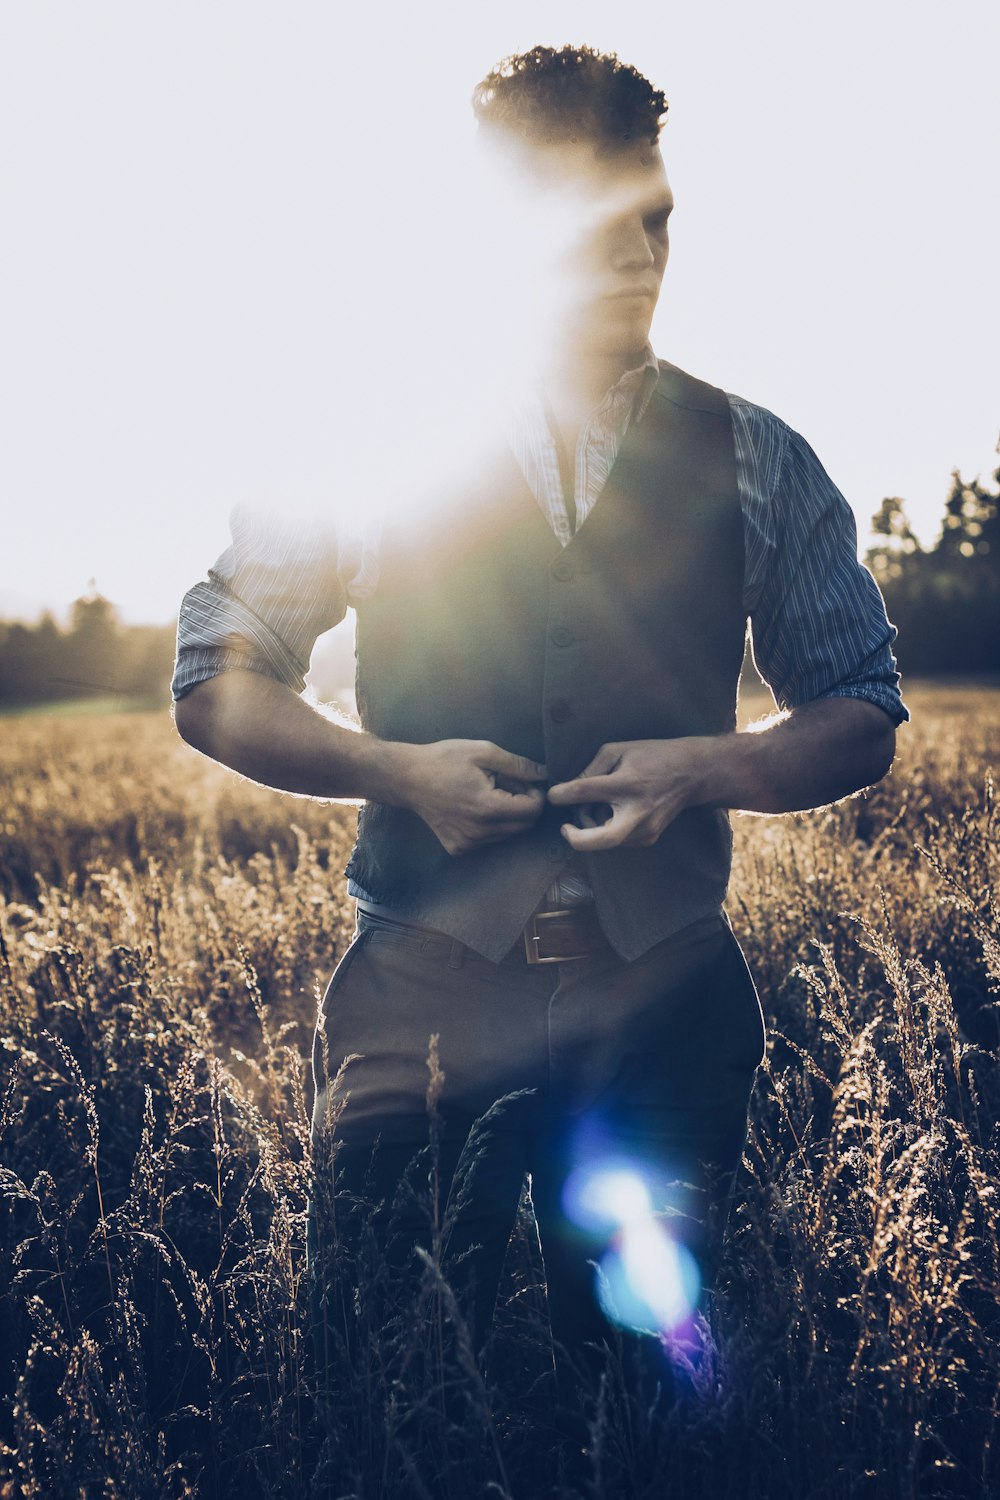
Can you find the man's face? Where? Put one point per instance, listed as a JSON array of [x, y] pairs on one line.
[[599, 245]]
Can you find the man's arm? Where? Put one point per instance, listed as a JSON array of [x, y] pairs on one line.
[[244, 640], [822, 641], [804, 758], [468, 792]]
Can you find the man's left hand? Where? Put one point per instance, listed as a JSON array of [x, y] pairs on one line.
[[630, 792], [797, 758]]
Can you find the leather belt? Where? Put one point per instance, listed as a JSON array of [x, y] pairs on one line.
[[559, 937], [550, 937]]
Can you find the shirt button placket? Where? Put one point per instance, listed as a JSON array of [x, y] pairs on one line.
[[560, 668]]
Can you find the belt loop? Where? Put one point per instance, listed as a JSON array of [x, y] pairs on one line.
[[457, 954]]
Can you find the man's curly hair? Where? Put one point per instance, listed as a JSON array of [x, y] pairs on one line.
[[549, 97]]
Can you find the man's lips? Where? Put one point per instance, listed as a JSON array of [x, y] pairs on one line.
[[630, 294]]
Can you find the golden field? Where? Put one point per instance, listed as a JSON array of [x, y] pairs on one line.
[[166, 931]]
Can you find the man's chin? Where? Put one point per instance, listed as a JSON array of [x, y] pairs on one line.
[[613, 338], [607, 340]]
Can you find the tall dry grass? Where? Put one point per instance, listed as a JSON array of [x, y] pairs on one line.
[[165, 934]]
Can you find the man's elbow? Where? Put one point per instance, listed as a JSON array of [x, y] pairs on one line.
[[195, 713], [879, 742]]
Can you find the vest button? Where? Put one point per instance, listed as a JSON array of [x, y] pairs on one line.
[[562, 570], [562, 636], [556, 851], [560, 710]]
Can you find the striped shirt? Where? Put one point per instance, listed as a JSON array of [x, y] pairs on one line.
[[817, 619]]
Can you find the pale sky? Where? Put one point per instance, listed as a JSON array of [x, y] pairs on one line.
[[230, 241]]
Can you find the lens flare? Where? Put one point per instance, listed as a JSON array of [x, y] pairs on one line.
[[646, 1280], [603, 1199]]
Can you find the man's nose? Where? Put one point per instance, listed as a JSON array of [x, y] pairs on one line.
[[631, 249]]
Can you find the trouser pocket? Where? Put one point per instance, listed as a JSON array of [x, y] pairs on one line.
[[749, 1013], [325, 1062]]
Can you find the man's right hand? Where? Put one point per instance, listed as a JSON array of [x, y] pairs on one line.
[[470, 792]]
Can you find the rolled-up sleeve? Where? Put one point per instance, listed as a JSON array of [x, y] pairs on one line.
[[267, 599], [818, 620]]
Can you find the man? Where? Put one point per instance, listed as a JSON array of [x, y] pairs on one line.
[[548, 662]]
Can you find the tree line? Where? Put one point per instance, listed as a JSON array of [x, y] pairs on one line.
[[944, 600], [96, 657]]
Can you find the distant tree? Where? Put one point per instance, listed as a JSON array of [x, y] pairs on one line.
[[945, 602], [16, 681], [92, 658], [147, 661], [97, 656], [971, 526], [887, 558]]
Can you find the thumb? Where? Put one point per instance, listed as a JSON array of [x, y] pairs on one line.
[[604, 836], [507, 764]]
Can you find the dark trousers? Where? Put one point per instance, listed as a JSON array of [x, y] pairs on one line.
[[645, 1066]]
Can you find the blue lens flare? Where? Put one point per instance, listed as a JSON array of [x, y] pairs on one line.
[[647, 1281], [602, 1198]]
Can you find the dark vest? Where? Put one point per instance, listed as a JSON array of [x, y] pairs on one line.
[[484, 627]]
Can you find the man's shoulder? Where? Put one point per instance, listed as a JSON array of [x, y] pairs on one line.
[[761, 437], [682, 388], [763, 440], [753, 413]]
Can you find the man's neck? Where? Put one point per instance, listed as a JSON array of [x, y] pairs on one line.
[[577, 382], [584, 379]]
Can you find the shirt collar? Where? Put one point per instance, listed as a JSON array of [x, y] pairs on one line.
[[636, 385], [643, 381], [639, 382]]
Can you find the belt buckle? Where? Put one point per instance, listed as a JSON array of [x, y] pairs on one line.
[[532, 939]]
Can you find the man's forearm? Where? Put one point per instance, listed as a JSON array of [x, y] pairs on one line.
[[807, 758], [264, 730], [468, 792]]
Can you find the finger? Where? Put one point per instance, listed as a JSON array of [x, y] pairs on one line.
[[607, 759], [593, 815], [492, 758], [515, 785], [523, 807], [583, 789], [610, 835]]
